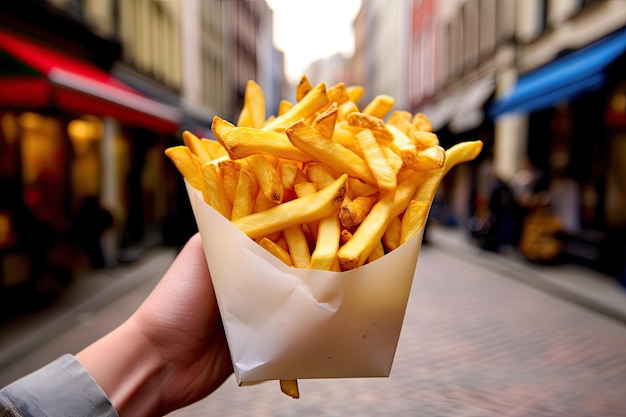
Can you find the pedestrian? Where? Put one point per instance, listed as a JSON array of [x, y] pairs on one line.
[[526, 196], [170, 353]]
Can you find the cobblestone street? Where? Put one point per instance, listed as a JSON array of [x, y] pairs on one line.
[[474, 343], [139, 138]]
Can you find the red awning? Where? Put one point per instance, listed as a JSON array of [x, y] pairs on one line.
[[78, 87]]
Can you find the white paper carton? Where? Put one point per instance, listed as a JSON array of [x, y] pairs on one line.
[[288, 323]]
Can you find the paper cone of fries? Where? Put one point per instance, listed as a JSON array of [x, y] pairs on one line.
[[287, 323]]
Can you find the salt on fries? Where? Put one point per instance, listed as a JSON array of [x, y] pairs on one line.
[[322, 185]]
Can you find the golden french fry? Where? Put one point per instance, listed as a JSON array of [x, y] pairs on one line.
[[284, 106], [262, 203], [290, 387], [214, 149], [274, 237], [421, 123], [359, 188], [253, 111], [391, 237], [303, 87], [303, 109], [276, 250], [338, 93], [331, 153], [215, 195], [377, 162], [404, 147], [325, 122], [230, 176], [460, 153], [378, 127], [354, 253], [195, 146], [188, 165], [241, 142], [345, 236], [290, 173], [324, 255], [413, 219], [401, 119], [319, 174], [457, 154], [424, 140], [355, 92], [377, 253], [302, 190], [353, 212], [220, 126], [301, 210], [246, 191], [393, 159], [298, 246], [344, 135], [305, 188], [431, 158], [379, 106], [268, 177], [347, 108]]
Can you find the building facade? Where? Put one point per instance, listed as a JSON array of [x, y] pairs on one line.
[[539, 81], [93, 92], [380, 61], [555, 111]]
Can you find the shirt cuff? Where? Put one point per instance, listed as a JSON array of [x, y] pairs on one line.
[[61, 388]]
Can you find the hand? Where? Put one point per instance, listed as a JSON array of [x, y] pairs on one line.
[[172, 351]]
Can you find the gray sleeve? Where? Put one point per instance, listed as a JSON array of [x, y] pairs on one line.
[[61, 388]]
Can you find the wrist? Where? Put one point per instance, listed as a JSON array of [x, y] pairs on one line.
[[126, 366]]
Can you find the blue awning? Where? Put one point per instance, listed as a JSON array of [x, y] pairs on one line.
[[563, 79]]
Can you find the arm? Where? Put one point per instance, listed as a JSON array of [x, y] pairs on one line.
[[61, 388], [172, 351]]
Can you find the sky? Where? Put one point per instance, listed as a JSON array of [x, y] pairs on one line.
[[307, 30]]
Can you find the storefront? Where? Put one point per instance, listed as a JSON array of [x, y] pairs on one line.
[[458, 114], [573, 112], [82, 173]]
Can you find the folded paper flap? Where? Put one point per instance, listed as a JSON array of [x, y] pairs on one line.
[[283, 322]]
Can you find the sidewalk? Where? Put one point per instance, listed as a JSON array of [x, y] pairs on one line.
[[574, 283], [23, 334], [476, 341], [473, 343]]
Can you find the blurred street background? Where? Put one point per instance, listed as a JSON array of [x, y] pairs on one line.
[[519, 301], [479, 339]]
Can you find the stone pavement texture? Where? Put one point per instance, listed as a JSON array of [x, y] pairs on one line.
[[475, 342], [582, 286], [94, 305]]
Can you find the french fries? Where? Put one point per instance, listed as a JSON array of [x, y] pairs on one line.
[[378, 164], [337, 157], [323, 184], [298, 211], [253, 111]]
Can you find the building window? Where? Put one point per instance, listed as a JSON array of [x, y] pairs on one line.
[[487, 28], [505, 21], [559, 11], [470, 35], [530, 20]]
